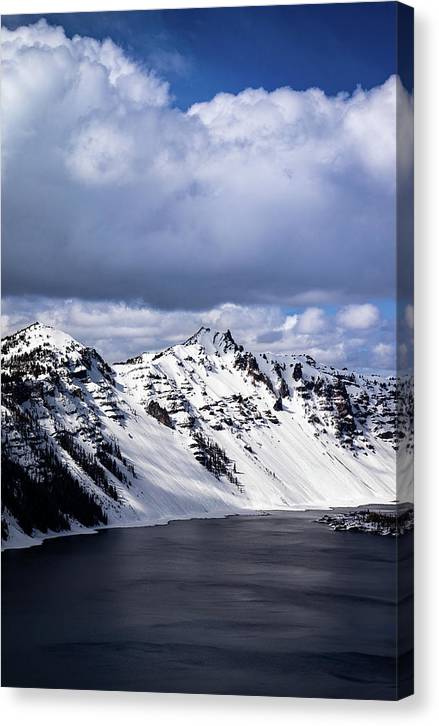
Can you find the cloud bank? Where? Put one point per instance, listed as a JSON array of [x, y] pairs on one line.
[[358, 317], [261, 198], [120, 330]]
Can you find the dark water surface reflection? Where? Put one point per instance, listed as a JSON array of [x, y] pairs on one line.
[[276, 605]]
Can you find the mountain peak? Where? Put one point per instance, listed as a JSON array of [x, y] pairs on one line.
[[38, 335], [32, 327], [198, 336], [213, 340], [43, 348]]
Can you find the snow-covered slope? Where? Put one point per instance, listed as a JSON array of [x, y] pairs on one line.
[[201, 429]]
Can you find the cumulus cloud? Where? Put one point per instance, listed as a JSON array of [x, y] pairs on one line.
[[410, 316], [358, 317], [312, 320], [384, 354], [260, 198]]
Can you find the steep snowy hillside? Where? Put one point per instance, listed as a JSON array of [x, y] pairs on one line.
[[306, 433], [78, 452], [202, 429]]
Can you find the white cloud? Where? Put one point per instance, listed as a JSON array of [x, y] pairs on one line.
[[332, 355], [263, 198], [410, 316], [290, 323], [101, 154], [312, 320], [170, 62], [384, 355], [358, 317], [403, 356]]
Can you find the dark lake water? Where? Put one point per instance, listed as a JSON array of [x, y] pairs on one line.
[[274, 605]]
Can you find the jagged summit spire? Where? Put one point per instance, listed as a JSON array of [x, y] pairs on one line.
[[213, 340], [198, 336], [229, 338]]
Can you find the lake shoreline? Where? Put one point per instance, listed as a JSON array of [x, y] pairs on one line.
[[28, 541]]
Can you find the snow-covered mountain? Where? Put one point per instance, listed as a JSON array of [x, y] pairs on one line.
[[204, 428]]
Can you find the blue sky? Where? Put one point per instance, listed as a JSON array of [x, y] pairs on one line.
[[334, 47], [230, 166]]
